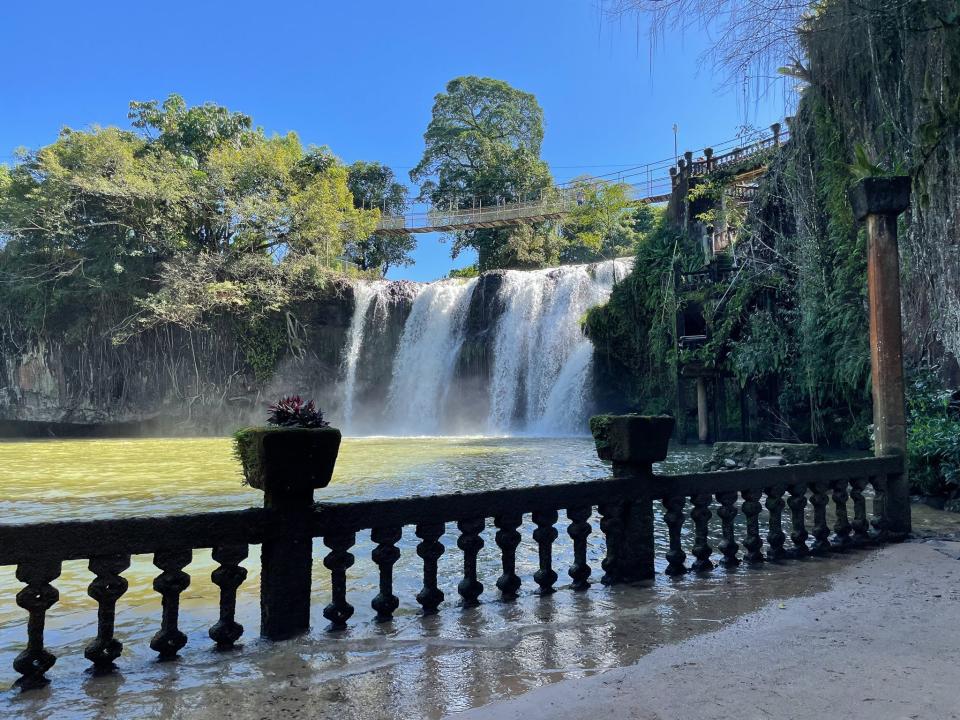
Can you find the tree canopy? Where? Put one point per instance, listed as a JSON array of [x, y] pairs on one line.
[[89, 220], [373, 186], [482, 147]]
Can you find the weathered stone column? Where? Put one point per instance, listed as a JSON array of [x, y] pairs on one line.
[[633, 443], [287, 565], [287, 464], [703, 421], [879, 201]]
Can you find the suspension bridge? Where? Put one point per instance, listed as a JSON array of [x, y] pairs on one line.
[[650, 183]]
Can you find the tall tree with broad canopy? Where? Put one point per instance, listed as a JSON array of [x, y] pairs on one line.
[[373, 186], [482, 146]]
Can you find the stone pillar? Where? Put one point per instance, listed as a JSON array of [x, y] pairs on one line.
[[633, 443], [287, 565], [879, 201], [775, 129], [708, 154], [703, 414]]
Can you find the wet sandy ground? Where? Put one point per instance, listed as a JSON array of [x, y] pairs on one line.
[[462, 659], [883, 644]]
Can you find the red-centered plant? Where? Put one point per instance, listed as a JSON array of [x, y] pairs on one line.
[[293, 411]]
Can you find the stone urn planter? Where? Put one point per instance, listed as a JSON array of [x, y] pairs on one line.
[[631, 439], [295, 454]]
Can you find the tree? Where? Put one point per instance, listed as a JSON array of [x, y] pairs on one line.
[[87, 221], [482, 147], [373, 187], [606, 223]]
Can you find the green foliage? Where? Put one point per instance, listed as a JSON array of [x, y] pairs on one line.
[[373, 187], [469, 271], [606, 223], [195, 212], [933, 443], [483, 146], [634, 334]]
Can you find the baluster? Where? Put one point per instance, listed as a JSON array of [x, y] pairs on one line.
[[611, 525], [775, 537], [338, 611], [878, 522], [544, 536], [579, 530], [36, 598], [470, 542], [106, 588], [860, 524], [508, 538], [385, 554], [727, 513], [228, 577], [170, 584], [842, 527], [821, 531], [430, 549], [674, 517], [798, 503], [701, 546], [753, 542]]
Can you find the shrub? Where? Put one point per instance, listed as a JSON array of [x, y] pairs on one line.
[[933, 441]]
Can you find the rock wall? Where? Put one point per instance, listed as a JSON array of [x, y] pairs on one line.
[[168, 380]]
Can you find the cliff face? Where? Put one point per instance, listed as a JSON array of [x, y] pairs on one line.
[[171, 379]]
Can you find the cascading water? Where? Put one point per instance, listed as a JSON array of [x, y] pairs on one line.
[[533, 370], [363, 296], [541, 378], [427, 356]]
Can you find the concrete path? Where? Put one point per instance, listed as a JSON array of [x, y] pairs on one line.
[[882, 643]]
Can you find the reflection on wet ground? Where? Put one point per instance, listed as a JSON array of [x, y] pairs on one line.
[[423, 667], [412, 667]]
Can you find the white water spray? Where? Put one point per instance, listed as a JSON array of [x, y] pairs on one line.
[[363, 295], [542, 374], [427, 356], [541, 371]]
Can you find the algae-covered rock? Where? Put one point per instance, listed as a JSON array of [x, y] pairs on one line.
[[740, 455]]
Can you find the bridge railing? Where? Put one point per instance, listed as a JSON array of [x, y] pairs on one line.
[[626, 503]]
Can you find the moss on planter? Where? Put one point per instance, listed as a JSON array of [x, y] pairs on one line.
[[280, 458]]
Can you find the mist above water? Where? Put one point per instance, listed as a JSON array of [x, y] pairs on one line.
[[500, 354]]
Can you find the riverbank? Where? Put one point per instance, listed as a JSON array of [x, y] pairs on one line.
[[882, 643]]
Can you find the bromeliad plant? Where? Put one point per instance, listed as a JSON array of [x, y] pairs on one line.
[[292, 411], [294, 454]]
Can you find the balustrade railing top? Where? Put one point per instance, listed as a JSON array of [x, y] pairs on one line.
[[625, 503]]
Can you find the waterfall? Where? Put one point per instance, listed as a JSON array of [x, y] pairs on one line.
[[527, 367], [542, 374], [427, 356], [363, 296]]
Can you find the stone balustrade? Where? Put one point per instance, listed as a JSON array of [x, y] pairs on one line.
[[627, 503]]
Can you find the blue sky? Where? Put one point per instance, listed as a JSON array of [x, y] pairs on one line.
[[361, 77]]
